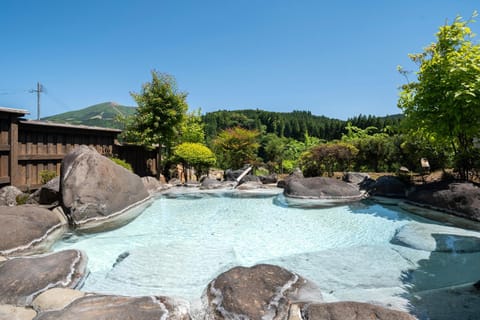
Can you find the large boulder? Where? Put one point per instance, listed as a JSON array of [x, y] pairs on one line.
[[98, 194], [260, 292], [29, 229], [8, 196], [327, 190], [22, 279], [296, 174], [346, 310], [95, 307], [459, 198], [388, 186]]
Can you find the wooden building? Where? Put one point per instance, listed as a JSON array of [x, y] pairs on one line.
[[28, 147]]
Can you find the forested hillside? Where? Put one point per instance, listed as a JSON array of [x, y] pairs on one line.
[[290, 124]]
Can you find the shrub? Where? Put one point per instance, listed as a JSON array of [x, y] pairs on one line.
[[122, 163], [47, 175]]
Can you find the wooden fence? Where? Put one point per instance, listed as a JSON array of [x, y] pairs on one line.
[[29, 147]]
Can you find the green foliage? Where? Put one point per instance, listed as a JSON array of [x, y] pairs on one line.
[[296, 125], [376, 151], [445, 99], [328, 158], [160, 113], [236, 146], [196, 155], [47, 175], [21, 199], [193, 128], [122, 163], [105, 115]]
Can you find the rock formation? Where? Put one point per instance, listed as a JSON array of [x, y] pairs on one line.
[[22, 279], [95, 307], [260, 292], [98, 194], [29, 229]]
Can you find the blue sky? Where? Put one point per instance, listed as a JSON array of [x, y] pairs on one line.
[[333, 58]]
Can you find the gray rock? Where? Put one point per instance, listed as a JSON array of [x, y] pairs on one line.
[[153, 185], [250, 185], [98, 194], [352, 311], [260, 292], [388, 186], [432, 237], [269, 179], [322, 188], [296, 174], [355, 177], [49, 193], [97, 307], [8, 196], [22, 279], [29, 229], [462, 199], [211, 184]]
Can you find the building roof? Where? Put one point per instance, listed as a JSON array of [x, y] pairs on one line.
[[66, 125], [17, 111]]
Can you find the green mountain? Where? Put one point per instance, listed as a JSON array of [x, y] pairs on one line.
[[99, 115]]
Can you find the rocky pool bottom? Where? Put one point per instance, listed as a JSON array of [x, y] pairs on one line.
[[363, 252]]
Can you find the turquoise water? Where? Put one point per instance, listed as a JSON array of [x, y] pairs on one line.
[[179, 245]]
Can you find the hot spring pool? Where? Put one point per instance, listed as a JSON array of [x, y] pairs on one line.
[[178, 245]]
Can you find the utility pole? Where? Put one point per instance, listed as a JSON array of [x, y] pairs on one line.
[[38, 91]]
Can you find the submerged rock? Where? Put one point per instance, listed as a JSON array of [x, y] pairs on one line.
[[432, 237], [22, 279], [29, 229], [349, 310], [462, 199], [120, 308], [260, 292], [98, 194]]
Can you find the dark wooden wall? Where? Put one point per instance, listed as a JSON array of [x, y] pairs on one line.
[[29, 147]]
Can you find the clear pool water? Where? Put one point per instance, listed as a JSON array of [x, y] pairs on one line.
[[178, 245]]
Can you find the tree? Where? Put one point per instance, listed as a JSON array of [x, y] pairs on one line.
[[196, 155], [328, 157], [236, 146], [445, 99], [274, 148], [193, 128], [160, 113]]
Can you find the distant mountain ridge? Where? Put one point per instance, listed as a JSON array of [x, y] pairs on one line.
[[99, 115]]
